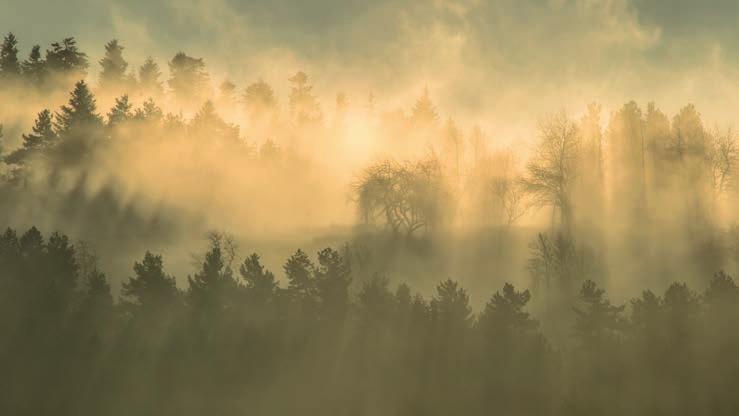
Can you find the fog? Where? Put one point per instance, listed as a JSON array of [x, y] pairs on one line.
[[582, 151]]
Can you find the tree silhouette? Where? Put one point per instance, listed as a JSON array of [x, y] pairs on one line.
[[151, 288], [34, 68], [188, 77], [79, 113], [304, 106], [259, 99], [113, 66], [41, 137], [424, 112], [261, 285], [553, 169], [405, 197], [597, 321], [149, 75], [64, 57], [121, 112], [10, 68]]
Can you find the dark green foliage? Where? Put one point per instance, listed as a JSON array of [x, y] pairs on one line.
[[597, 321], [42, 136], [10, 68], [65, 58], [149, 75], [260, 283], [188, 77], [113, 66], [34, 68], [151, 288], [121, 112], [79, 113], [62, 329]]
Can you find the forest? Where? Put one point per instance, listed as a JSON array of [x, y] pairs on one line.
[[176, 244]]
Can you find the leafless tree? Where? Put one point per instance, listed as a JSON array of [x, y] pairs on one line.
[[722, 156], [403, 196], [553, 168]]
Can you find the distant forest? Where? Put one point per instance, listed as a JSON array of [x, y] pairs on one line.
[[640, 203]]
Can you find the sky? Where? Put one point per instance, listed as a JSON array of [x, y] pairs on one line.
[[500, 63]]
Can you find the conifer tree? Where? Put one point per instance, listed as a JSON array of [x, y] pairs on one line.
[[81, 111], [34, 68], [304, 106], [424, 112], [42, 136], [151, 288], [9, 66], [149, 75], [65, 57], [121, 112], [113, 66], [188, 77], [259, 99]]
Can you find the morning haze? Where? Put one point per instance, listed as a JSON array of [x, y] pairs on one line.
[[370, 208]]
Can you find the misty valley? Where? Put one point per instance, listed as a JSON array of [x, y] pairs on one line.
[[176, 240]]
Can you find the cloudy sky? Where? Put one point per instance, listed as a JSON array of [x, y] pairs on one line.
[[504, 62]]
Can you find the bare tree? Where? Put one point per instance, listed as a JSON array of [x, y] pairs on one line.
[[722, 156], [552, 170], [511, 196], [403, 196]]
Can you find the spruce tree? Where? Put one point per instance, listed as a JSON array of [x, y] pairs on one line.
[[121, 112], [34, 67], [65, 57], [304, 106], [149, 74], [113, 66], [188, 76], [42, 135], [259, 99], [424, 111], [81, 111], [151, 288], [9, 65]]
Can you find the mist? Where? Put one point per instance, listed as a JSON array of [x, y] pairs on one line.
[[390, 208]]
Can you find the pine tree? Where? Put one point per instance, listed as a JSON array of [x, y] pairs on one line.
[[303, 104], [42, 131], [597, 321], [113, 66], [149, 75], [65, 57], [121, 112], [332, 277], [260, 283], [42, 136], [299, 272], [424, 112], [151, 288], [211, 289], [207, 123], [9, 66], [149, 111], [188, 77], [34, 68], [450, 307], [259, 99], [504, 315], [81, 111]]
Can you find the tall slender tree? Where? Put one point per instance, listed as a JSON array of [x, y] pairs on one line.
[[9, 66], [113, 66]]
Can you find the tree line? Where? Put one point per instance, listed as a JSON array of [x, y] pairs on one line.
[[237, 339]]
